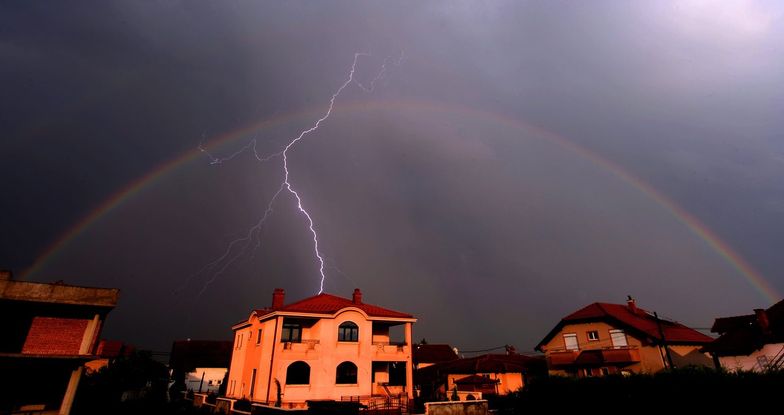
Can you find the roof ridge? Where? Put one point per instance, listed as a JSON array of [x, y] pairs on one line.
[[307, 299]]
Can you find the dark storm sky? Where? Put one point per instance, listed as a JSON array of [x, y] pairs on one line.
[[488, 233]]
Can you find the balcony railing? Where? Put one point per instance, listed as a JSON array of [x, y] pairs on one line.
[[610, 355], [562, 358], [389, 347], [301, 346], [621, 355]]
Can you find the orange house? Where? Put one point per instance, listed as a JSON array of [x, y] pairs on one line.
[[602, 339], [477, 377], [322, 347]]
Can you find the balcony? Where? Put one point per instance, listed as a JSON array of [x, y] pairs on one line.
[[607, 356], [302, 346], [562, 358], [621, 355], [388, 348]]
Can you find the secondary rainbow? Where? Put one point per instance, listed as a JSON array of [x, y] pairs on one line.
[[743, 268]]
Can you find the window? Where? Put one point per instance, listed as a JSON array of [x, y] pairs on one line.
[[292, 332], [298, 373], [605, 371], [618, 338], [397, 373], [570, 340], [348, 332], [593, 336], [252, 382], [346, 374], [258, 337]]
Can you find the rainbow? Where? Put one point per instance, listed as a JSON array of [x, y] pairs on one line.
[[735, 260]]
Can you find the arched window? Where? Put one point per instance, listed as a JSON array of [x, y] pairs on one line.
[[346, 374], [348, 332], [298, 373]]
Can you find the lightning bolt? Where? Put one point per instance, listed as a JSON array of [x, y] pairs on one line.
[[232, 254]]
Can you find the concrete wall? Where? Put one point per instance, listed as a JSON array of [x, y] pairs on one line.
[[456, 408], [211, 380], [58, 293], [508, 382], [690, 356]]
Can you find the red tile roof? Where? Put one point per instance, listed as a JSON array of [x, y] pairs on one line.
[[331, 304], [635, 320], [476, 380], [187, 355], [114, 348], [741, 335], [433, 353], [488, 363]]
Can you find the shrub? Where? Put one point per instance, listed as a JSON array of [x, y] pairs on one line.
[[242, 405]]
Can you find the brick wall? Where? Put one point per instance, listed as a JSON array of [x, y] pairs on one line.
[[51, 335]]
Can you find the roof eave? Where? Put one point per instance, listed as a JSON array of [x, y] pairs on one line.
[[279, 313]]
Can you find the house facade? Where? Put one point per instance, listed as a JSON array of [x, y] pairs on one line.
[[322, 347], [200, 365], [603, 339], [477, 377], [752, 342]]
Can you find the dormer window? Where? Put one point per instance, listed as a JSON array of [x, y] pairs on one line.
[[348, 332]]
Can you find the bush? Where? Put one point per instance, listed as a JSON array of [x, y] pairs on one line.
[[690, 387], [242, 405], [124, 386]]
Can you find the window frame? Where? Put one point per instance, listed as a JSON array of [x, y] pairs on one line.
[[287, 333], [576, 342], [345, 377], [295, 365], [594, 338], [613, 337], [348, 332]]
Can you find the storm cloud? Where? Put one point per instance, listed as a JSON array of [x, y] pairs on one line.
[[493, 181]]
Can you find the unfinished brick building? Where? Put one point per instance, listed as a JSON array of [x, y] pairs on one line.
[[50, 331]]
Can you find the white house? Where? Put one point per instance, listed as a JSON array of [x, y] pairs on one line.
[[752, 342]]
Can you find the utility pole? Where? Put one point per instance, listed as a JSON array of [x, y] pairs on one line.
[[663, 341]]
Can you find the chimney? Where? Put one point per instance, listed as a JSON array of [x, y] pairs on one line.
[[357, 296], [6, 274], [762, 320], [631, 304], [277, 298]]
